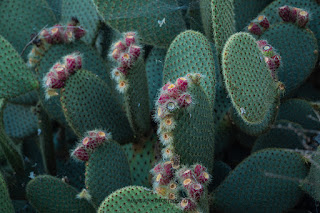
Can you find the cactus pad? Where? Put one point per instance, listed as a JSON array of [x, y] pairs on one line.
[[90, 97], [265, 180], [5, 202], [106, 171], [145, 17], [50, 194], [191, 52], [248, 81], [136, 199]]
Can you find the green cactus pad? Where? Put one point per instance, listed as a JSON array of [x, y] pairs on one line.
[[300, 45], [51, 195], [91, 61], [190, 52], [5, 202], [206, 17], [252, 89], [280, 138], [9, 149], [223, 136], [19, 121], [55, 7], [299, 111], [19, 19], [141, 159], [311, 183], [246, 10], [154, 70], [266, 180], [194, 131], [144, 17], [137, 100], [16, 78], [223, 22], [92, 99], [106, 171], [29, 98], [87, 15], [73, 170], [136, 199], [220, 172], [257, 129], [312, 6]]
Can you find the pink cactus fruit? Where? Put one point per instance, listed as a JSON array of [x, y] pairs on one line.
[[165, 87], [184, 100], [198, 169], [187, 183], [285, 13], [130, 38], [135, 51], [80, 153], [270, 63], [264, 22], [70, 63], [56, 33], [89, 143], [68, 35], [203, 178], [267, 50], [167, 169], [52, 81], [125, 60], [123, 70], [187, 204], [79, 32], [277, 61], [78, 58], [163, 98], [262, 43], [100, 136], [254, 29], [173, 91], [196, 191], [157, 169], [182, 84], [61, 71], [302, 18], [294, 14], [185, 174], [116, 54], [46, 36], [162, 180], [120, 46]]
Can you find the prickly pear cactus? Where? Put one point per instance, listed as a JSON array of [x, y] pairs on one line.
[[159, 106]]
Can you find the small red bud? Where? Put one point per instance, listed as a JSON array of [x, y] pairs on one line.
[[285, 13], [81, 153], [254, 29]]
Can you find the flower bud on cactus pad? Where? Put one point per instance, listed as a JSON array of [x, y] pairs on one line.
[[271, 64], [294, 14], [61, 71], [198, 169], [196, 191], [182, 84], [262, 43], [80, 153], [185, 174], [172, 106], [277, 60], [79, 32], [120, 46], [264, 22], [203, 177], [254, 29], [56, 33], [130, 38], [163, 98], [126, 60], [184, 100], [267, 50], [44, 34], [116, 54], [302, 18], [157, 169], [187, 183], [167, 169], [187, 204], [285, 13], [135, 51], [68, 35], [52, 81], [162, 180], [165, 87], [173, 90]]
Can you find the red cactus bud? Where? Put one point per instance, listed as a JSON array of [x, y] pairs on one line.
[[294, 14], [68, 35], [61, 71], [264, 22], [120, 46], [79, 32], [173, 90], [203, 177], [56, 33], [165, 87], [196, 190], [187, 174], [172, 106], [163, 180], [262, 43], [163, 98], [81, 153], [254, 29], [187, 204], [302, 18], [135, 50], [271, 64], [116, 54], [101, 136], [182, 84], [187, 183], [167, 169], [123, 70], [46, 36], [184, 100], [78, 60], [285, 13], [70, 63], [52, 81], [126, 60], [198, 169], [130, 38], [277, 61], [158, 168]]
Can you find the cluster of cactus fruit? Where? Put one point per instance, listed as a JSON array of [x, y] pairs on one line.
[[159, 106]]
